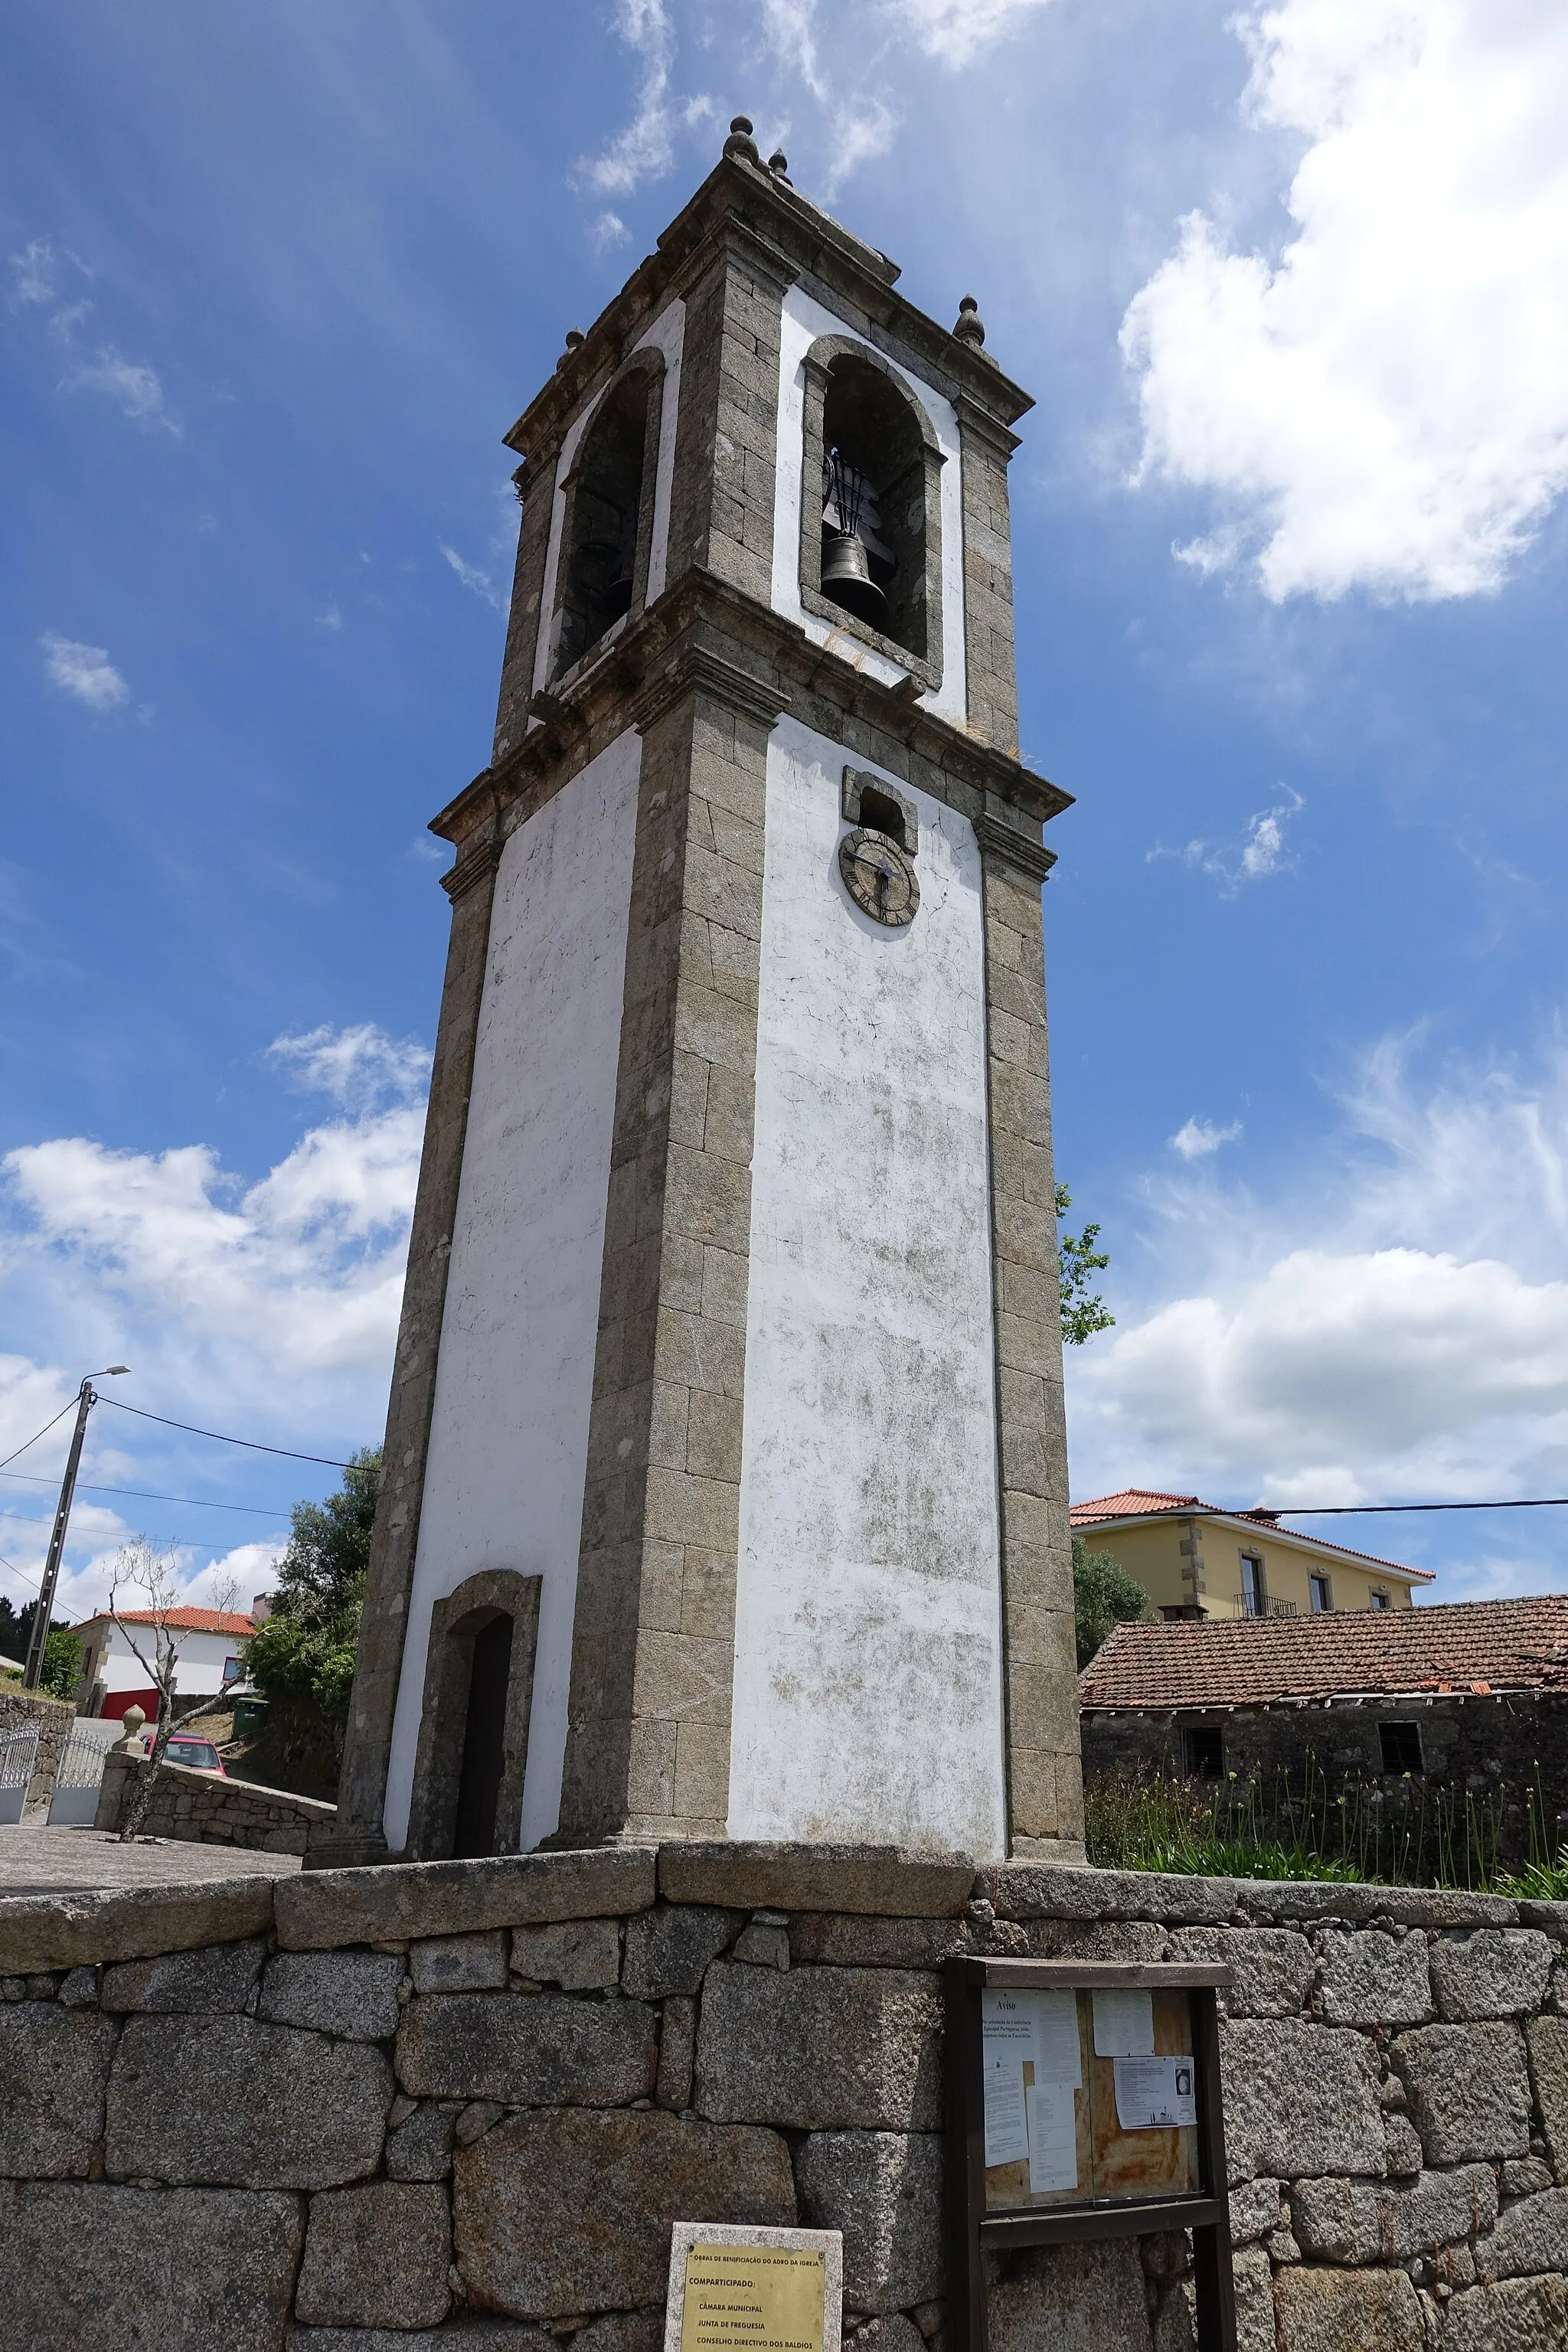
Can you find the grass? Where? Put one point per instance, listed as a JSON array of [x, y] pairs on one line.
[[1407, 1833]]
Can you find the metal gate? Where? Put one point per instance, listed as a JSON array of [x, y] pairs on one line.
[[75, 1801], [19, 1753]]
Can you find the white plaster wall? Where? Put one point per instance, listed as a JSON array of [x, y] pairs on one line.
[[804, 321], [867, 1698], [508, 1440], [667, 334]]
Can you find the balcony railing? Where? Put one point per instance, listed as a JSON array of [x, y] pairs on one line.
[[1247, 1604]]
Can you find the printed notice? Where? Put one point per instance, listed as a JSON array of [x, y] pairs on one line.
[[1154, 2094], [761, 2298], [1053, 2138], [1006, 2040], [1124, 2024], [1058, 2054]]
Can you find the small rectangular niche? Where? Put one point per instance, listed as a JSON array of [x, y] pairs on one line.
[[871, 802]]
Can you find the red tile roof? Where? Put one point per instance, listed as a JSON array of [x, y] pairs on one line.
[[179, 1620], [1144, 1503], [1467, 1646]]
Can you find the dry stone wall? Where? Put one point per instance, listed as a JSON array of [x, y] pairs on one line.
[[455, 2106], [213, 1809]]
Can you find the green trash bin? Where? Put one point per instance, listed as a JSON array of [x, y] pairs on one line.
[[249, 1715]]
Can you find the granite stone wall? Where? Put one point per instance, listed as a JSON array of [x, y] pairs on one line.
[[1499, 1748], [212, 1810], [456, 2106], [18, 1710]]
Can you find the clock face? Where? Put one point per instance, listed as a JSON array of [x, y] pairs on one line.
[[879, 877]]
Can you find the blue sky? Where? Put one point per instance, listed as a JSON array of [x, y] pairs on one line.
[[1291, 290]]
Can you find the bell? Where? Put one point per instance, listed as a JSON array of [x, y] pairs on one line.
[[846, 579]]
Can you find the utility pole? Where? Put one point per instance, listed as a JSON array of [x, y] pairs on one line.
[[86, 1396]]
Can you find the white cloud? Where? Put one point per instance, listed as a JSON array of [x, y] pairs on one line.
[[1199, 1138], [642, 151], [360, 1068], [1261, 851], [1385, 407], [225, 1289], [35, 268], [136, 390], [84, 672], [478, 582], [331, 619], [1395, 1328], [607, 230], [956, 31]]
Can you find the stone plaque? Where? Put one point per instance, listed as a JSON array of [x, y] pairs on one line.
[[754, 2290]]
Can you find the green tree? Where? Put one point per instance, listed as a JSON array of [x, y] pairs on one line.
[[1083, 1313], [1104, 1596], [306, 1649], [62, 1665]]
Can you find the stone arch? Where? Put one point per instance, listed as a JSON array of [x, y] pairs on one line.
[[473, 1728], [606, 535], [858, 401]]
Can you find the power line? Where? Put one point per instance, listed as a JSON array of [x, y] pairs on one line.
[[257, 1510], [216, 1435], [1366, 1510], [37, 1435]]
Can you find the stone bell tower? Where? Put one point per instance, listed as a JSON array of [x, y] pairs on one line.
[[726, 1486]]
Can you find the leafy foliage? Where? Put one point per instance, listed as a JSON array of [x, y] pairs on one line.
[[17, 1627], [62, 1665], [1083, 1311], [1104, 1596], [306, 1649]]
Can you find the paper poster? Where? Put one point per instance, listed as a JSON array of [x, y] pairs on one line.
[[1124, 2024], [1153, 2094], [1006, 2038], [1053, 2138], [1057, 2051]]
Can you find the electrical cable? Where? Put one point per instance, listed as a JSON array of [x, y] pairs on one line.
[[257, 1510], [1366, 1510], [42, 1432], [327, 1460]]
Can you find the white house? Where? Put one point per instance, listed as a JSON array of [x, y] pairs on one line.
[[211, 1646]]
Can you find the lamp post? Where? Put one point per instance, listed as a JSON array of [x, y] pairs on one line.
[[86, 1396]]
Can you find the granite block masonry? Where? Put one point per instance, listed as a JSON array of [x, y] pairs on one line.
[[349, 2159]]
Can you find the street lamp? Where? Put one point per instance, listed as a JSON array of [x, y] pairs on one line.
[[37, 1642]]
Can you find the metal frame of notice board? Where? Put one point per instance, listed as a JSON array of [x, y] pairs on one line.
[[973, 2231]]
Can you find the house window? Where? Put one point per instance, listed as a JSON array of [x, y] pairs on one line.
[[1323, 1597], [1380, 1601], [231, 1669], [1203, 1748], [1253, 1600], [1401, 1747]]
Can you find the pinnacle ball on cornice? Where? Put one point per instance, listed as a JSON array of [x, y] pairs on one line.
[[740, 143], [971, 326], [778, 164], [575, 339]]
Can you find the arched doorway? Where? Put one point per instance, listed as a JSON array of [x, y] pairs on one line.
[[473, 1734]]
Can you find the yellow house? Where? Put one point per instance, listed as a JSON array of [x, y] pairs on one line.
[[1193, 1560]]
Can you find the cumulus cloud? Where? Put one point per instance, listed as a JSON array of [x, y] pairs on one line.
[[1199, 1138], [1394, 1327], [360, 1068], [1261, 851], [1384, 406], [84, 672]]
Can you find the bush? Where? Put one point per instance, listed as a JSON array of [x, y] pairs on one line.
[[62, 1665], [1104, 1596]]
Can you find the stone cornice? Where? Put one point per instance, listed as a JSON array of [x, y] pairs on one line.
[[790, 235], [1004, 845], [705, 632]]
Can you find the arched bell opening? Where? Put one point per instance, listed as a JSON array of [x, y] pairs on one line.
[[473, 1734], [870, 518], [602, 571], [874, 503]]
